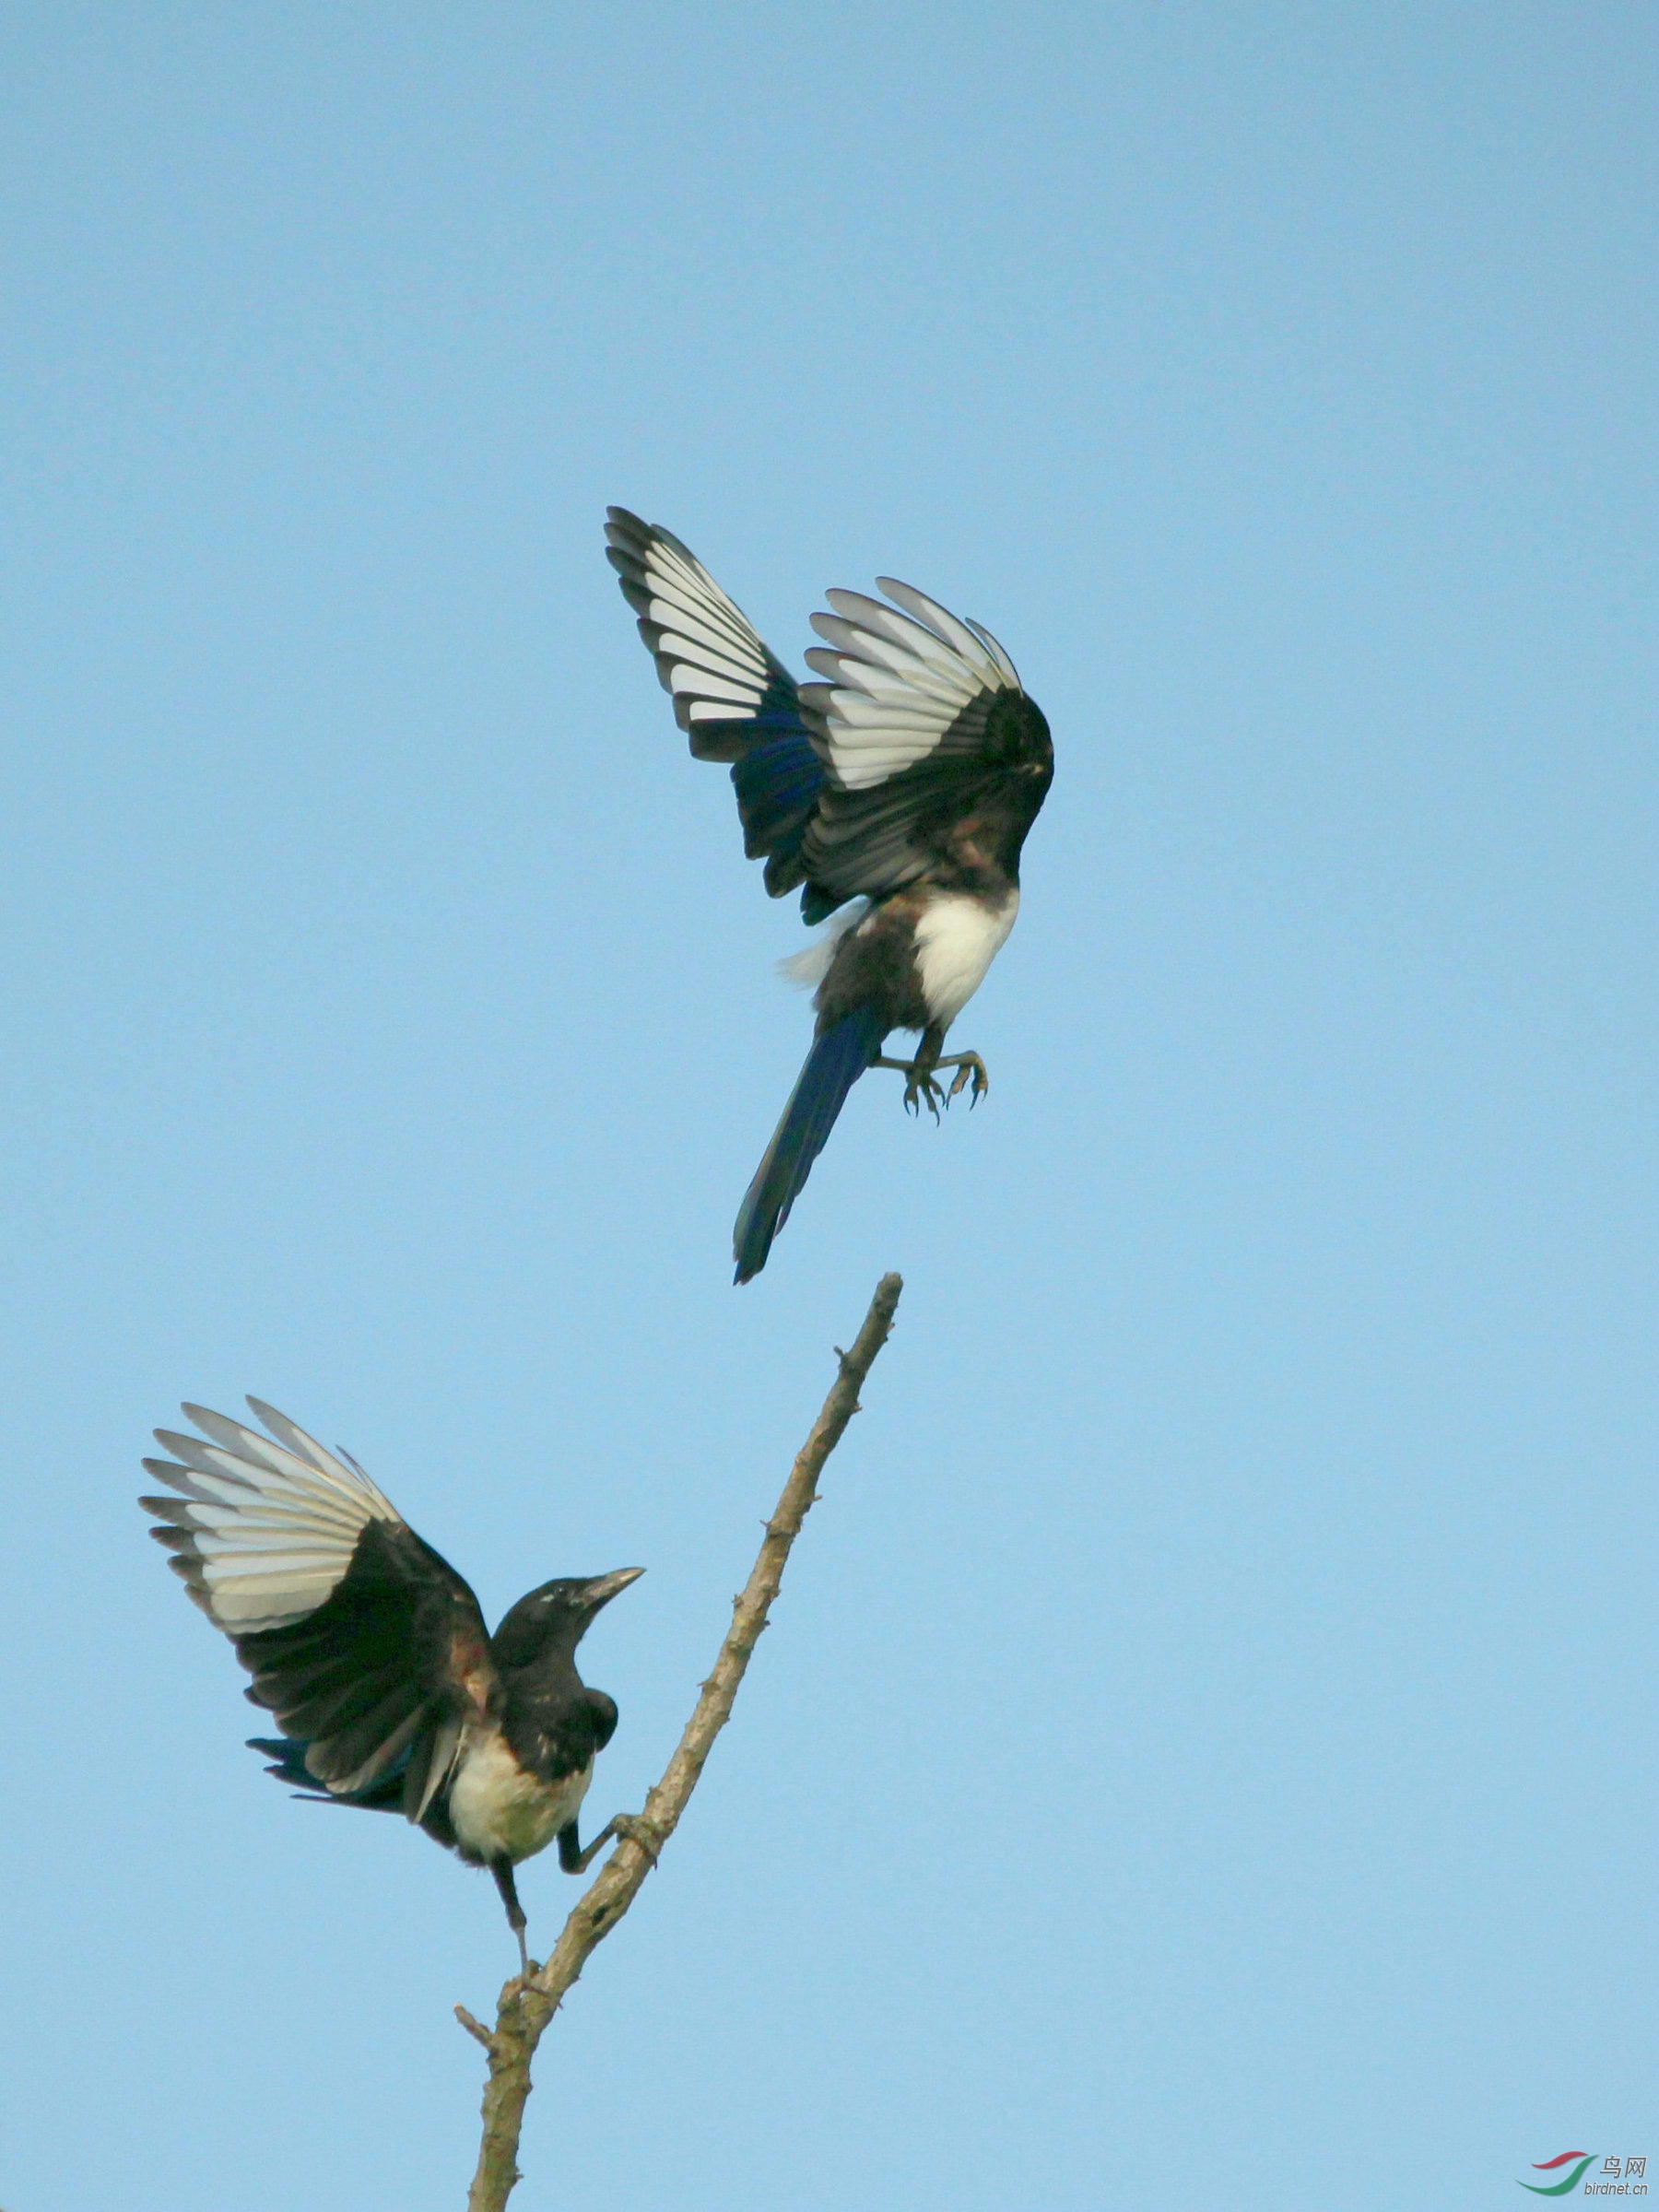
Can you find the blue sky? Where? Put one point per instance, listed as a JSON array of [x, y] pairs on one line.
[[1203, 1755]]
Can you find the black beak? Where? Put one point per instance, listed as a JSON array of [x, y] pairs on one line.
[[604, 1587]]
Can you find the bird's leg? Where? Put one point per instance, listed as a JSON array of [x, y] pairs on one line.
[[920, 1090], [634, 1827], [502, 1870], [966, 1064]]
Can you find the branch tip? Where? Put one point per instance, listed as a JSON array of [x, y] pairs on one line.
[[519, 2022]]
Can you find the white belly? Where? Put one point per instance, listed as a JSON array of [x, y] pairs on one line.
[[500, 1812], [957, 939]]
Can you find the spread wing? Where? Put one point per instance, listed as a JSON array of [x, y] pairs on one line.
[[367, 1645], [735, 699], [936, 760]]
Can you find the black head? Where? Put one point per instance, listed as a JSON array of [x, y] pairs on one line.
[[556, 1617]]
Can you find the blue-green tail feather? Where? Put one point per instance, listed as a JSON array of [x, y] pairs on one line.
[[837, 1060]]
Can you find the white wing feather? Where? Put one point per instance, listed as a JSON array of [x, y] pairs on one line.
[[897, 681], [710, 652], [270, 1527]]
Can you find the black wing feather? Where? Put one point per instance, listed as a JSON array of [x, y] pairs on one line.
[[364, 1641], [957, 817], [921, 758], [732, 696], [399, 1645]]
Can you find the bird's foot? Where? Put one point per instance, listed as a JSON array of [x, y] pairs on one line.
[[634, 1827], [969, 1067], [920, 1090]]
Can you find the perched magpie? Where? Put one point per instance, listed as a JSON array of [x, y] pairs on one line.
[[906, 782], [373, 1655]]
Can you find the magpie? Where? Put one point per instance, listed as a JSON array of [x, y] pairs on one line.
[[372, 1653], [904, 783]]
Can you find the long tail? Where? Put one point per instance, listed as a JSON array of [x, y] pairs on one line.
[[835, 1062]]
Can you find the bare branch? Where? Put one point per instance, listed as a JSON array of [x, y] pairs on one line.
[[528, 2003]]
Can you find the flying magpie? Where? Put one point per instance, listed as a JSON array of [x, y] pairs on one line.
[[372, 1653], [906, 783]]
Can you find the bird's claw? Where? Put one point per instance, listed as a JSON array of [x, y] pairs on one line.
[[634, 1827], [971, 1069], [922, 1086]]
